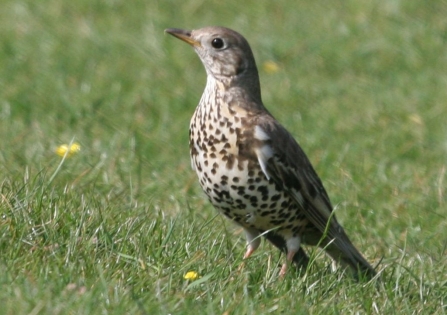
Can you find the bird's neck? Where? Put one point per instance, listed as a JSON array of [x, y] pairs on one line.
[[235, 91]]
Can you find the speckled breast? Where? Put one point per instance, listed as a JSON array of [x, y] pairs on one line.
[[230, 175]]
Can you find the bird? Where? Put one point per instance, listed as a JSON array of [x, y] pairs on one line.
[[250, 167]]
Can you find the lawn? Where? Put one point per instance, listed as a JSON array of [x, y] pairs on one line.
[[113, 228]]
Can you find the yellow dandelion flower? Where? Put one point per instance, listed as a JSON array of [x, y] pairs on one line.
[[270, 66], [68, 150], [191, 275]]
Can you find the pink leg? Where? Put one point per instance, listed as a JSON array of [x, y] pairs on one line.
[[250, 250], [253, 241], [283, 270]]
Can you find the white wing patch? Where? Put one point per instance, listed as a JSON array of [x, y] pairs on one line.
[[260, 134], [264, 154]]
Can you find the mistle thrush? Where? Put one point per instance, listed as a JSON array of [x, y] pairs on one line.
[[250, 167]]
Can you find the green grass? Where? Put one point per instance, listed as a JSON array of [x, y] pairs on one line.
[[361, 85]]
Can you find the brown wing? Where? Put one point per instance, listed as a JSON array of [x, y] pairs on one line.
[[283, 161]]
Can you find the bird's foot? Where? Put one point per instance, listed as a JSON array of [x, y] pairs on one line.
[[284, 267]]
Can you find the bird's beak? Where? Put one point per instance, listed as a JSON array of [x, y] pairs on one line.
[[184, 35]]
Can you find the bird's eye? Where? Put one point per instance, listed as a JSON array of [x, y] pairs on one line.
[[217, 43]]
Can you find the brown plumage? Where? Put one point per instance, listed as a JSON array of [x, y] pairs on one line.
[[250, 167]]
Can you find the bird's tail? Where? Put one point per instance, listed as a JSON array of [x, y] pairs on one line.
[[343, 251]]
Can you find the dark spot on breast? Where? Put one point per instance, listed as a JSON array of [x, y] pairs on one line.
[[263, 190], [217, 192], [242, 206], [230, 162], [284, 215], [226, 194]]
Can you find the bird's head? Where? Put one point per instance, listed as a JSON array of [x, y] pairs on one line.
[[224, 52]]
